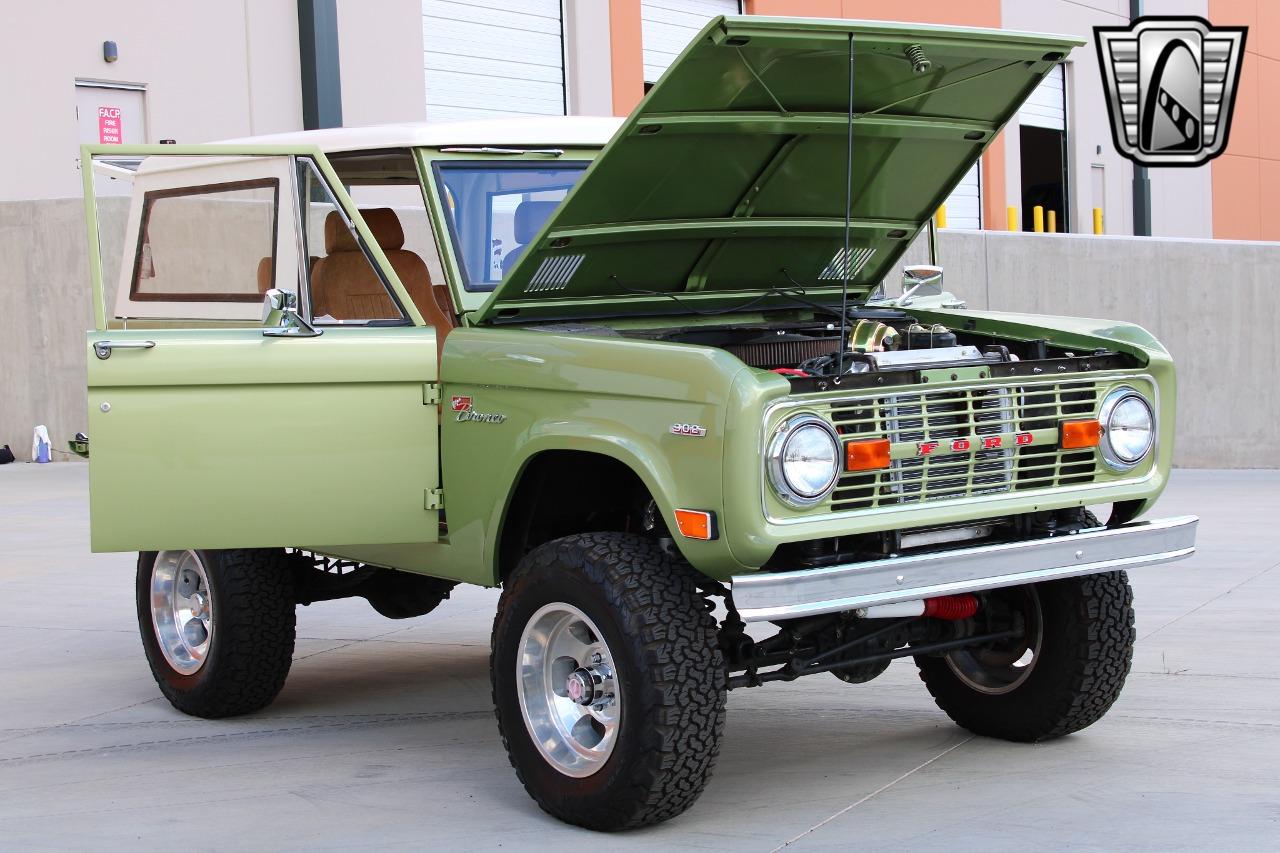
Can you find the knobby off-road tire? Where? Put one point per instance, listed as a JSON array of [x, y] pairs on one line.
[[1086, 650], [250, 644], [670, 678]]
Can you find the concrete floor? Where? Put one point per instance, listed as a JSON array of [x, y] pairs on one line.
[[384, 738]]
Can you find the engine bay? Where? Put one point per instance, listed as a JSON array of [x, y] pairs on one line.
[[885, 346]]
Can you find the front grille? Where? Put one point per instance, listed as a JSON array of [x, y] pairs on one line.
[[909, 419]]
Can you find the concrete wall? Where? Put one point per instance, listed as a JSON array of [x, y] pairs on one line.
[[1208, 301], [380, 55], [212, 70], [46, 312], [588, 77]]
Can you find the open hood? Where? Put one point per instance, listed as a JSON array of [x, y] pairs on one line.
[[728, 180]]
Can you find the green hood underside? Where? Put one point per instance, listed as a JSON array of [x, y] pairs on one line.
[[728, 180]]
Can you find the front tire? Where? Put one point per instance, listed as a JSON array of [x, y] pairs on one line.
[[217, 627], [1064, 676], [608, 684]]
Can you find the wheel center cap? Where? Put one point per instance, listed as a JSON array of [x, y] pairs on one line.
[[579, 687]]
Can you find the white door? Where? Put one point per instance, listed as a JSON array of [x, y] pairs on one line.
[[1047, 106], [492, 59], [111, 115], [667, 27]]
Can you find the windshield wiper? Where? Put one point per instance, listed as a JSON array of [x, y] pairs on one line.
[[487, 149]]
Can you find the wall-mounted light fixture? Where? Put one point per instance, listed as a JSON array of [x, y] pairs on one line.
[[110, 53]]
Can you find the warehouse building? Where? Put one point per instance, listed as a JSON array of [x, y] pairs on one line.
[[201, 72]]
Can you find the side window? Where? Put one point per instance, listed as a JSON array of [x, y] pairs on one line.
[[386, 187], [344, 287], [211, 243]]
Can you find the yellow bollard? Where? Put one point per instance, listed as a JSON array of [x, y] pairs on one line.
[[1012, 219], [1037, 219], [1053, 222], [941, 216], [1097, 221]]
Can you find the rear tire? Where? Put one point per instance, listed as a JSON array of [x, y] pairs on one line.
[[1086, 646], [217, 627], [646, 638]]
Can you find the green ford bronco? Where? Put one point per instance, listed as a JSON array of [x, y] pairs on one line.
[[639, 374]]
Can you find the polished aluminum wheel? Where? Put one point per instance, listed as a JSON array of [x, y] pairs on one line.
[[569, 693], [181, 609], [1003, 667]]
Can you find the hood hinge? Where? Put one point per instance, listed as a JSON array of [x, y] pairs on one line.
[[430, 393], [434, 499]]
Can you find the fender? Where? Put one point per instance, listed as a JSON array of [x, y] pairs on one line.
[[615, 396]]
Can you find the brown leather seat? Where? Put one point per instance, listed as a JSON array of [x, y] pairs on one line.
[[344, 285], [266, 271]]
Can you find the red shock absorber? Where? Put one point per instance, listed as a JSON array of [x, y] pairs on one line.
[[951, 606]]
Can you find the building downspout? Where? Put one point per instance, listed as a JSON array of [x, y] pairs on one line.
[[318, 56], [1141, 181]]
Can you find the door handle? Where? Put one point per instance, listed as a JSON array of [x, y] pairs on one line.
[[102, 349]]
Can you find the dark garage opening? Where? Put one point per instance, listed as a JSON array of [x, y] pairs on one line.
[[1044, 175]]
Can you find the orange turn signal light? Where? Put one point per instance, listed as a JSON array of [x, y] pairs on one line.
[[696, 524], [1075, 434], [866, 455]]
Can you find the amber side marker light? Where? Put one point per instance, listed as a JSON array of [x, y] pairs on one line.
[[1075, 434], [866, 455], [696, 524]]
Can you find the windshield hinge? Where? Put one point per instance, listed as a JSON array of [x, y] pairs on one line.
[[434, 499], [430, 393]]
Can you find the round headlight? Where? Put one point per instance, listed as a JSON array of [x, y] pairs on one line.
[[804, 460], [1128, 428]]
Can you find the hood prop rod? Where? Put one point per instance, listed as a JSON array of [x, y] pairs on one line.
[[846, 264]]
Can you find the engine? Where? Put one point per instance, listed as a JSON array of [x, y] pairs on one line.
[[875, 345]]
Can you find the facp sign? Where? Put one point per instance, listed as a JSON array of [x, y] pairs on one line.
[[110, 131], [1171, 83]]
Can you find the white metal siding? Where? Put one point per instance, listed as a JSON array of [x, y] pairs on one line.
[[1047, 106], [493, 57], [667, 27], [964, 205]]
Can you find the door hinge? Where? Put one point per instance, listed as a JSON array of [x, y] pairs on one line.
[[430, 393], [434, 499]]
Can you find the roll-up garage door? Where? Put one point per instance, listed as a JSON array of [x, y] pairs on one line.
[[491, 58], [1047, 106], [667, 27], [964, 205]]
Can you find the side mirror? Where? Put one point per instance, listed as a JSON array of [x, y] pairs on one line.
[[280, 316], [921, 280]]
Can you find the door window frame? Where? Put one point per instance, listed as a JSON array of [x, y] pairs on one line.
[[303, 165], [93, 156], [148, 205]]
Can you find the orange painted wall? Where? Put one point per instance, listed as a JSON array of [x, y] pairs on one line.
[[1246, 178], [964, 13], [627, 56]]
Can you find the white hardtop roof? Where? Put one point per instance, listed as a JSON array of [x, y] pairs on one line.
[[563, 131]]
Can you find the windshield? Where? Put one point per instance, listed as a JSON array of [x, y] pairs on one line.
[[495, 210]]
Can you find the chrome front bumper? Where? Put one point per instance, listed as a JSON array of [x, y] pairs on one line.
[[808, 592]]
